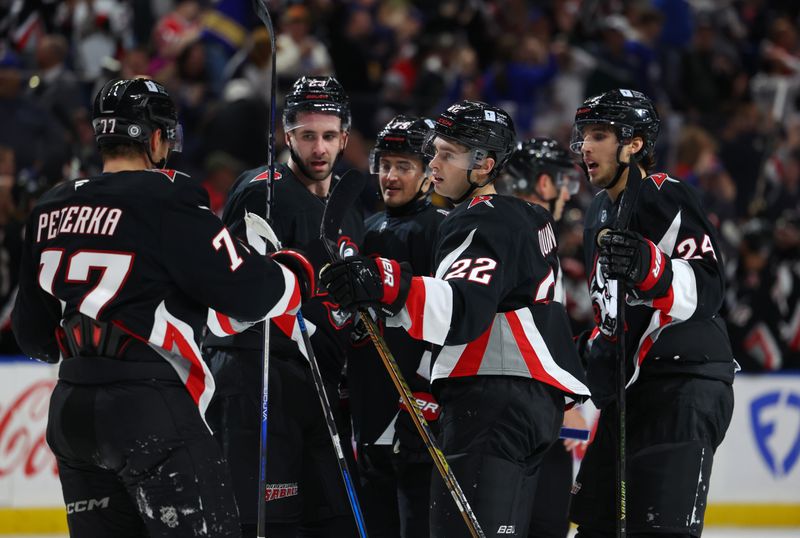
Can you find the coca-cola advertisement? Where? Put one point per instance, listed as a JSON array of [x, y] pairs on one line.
[[28, 472]]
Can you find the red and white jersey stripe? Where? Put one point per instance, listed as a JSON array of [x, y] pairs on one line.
[[174, 340], [512, 345]]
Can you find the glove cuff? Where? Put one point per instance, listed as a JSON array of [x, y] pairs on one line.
[[395, 282], [301, 267], [658, 265], [658, 278]]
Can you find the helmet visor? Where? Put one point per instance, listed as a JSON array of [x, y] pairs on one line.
[[583, 133], [571, 179], [451, 152], [405, 166], [175, 138]]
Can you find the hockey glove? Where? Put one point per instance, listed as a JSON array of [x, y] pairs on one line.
[[298, 264], [359, 281], [600, 372], [627, 256]]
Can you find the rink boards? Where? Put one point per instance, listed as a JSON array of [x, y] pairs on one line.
[[754, 482]]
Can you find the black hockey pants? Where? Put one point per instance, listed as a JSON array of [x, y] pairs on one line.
[[135, 457], [494, 432]]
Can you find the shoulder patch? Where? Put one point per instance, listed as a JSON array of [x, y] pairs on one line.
[[263, 176], [481, 200], [660, 178]]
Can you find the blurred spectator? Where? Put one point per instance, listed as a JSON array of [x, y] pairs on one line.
[[54, 86], [617, 65], [191, 91], [709, 73], [743, 144], [11, 225], [515, 85], [174, 31], [226, 24], [697, 163], [99, 29], [257, 68], [350, 32], [30, 130], [783, 193], [299, 52]]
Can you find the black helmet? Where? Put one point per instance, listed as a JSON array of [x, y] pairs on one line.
[[403, 134], [539, 156], [130, 110], [480, 127], [629, 112], [316, 94]]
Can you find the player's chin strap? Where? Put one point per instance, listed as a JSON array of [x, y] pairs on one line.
[[621, 167], [471, 188], [156, 164]]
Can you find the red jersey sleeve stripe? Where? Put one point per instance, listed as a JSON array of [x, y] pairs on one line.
[[429, 308]]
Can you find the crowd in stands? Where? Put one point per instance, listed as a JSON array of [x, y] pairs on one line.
[[725, 75]]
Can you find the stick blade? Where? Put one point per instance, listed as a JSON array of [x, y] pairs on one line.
[[342, 197]]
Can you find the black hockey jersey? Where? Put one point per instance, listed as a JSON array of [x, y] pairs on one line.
[[681, 331], [296, 216], [764, 316], [405, 234], [141, 250], [492, 305]]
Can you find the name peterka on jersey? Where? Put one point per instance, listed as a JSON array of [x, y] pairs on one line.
[[78, 219]]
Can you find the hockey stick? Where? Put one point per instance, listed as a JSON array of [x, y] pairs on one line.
[[263, 229], [261, 532], [624, 213], [341, 198], [332, 430]]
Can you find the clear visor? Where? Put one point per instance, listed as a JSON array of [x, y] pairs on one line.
[[587, 132], [571, 179], [175, 138], [446, 151], [383, 167]]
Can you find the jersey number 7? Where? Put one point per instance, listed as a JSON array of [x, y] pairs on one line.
[[114, 266]]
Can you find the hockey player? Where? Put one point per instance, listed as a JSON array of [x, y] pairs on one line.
[[544, 173], [303, 483], [394, 466], [678, 359], [110, 283], [504, 361]]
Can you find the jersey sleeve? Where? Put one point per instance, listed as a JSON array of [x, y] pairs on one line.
[[215, 268], [37, 313], [670, 215], [458, 304]]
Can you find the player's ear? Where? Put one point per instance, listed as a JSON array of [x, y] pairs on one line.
[[488, 165], [345, 137], [636, 144]]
